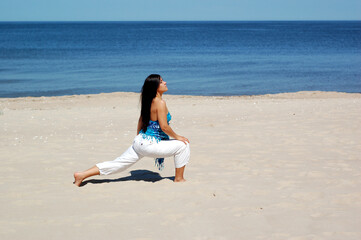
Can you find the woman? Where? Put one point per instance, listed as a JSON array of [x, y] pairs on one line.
[[152, 139]]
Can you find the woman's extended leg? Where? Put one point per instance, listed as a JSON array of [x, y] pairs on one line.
[[80, 176], [128, 158]]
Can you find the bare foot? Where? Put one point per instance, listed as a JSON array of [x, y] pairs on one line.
[[78, 179], [179, 180]]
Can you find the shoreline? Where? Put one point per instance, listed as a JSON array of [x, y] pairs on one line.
[[96, 100], [311, 94]]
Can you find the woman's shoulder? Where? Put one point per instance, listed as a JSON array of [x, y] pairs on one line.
[[159, 103]]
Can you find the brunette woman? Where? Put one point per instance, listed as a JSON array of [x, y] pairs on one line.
[[152, 138]]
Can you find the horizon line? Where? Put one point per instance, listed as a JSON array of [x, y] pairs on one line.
[[290, 20]]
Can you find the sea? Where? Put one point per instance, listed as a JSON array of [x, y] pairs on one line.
[[208, 58]]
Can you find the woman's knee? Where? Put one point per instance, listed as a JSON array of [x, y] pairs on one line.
[[184, 145], [188, 145], [185, 148]]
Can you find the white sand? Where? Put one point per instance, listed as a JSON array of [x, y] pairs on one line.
[[285, 166]]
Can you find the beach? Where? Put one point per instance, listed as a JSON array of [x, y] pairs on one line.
[[275, 166]]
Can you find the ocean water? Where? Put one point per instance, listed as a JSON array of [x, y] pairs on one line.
[[195, 58]]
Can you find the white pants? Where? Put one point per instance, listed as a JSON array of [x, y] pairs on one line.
[[147, 148]]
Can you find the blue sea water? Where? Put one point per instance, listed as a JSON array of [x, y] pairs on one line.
[[195, 58]]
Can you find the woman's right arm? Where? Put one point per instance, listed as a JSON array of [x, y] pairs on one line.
[[162, 119], [139, 125]]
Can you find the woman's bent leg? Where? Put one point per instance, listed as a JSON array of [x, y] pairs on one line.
[[181, 157], [168, 148], [179, 174]]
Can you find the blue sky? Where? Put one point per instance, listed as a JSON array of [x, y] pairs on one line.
[[165, 10]]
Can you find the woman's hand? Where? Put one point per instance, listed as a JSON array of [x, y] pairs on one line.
[[183, 139]]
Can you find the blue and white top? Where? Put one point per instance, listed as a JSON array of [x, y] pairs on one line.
[[154, 131]]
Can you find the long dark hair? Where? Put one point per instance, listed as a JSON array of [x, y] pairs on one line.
[[149, 91]]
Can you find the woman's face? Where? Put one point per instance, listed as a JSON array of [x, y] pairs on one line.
[[162, 86]]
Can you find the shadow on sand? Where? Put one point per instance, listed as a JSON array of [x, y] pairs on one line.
[[135, 175]]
